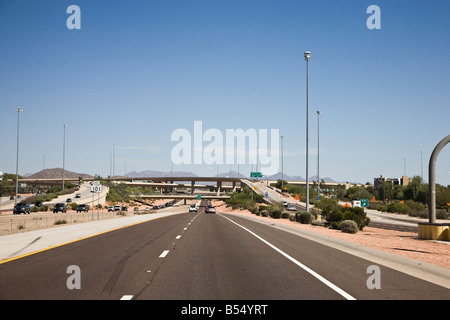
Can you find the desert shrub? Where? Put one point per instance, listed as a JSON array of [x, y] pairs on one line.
[[276, 214], [253, 210], [334, 216], [397, 207], [349, 226], [285, 215], [320, 223], [305, 217]]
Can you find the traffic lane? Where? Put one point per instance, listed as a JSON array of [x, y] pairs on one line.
[[111, 264], [347, 271], [215, 259]]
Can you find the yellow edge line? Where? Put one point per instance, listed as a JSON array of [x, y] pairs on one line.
[[84, 238]]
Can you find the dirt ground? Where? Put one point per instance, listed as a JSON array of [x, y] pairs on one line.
[[405, 244]]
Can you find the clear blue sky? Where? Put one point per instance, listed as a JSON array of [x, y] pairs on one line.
[[138, 70]]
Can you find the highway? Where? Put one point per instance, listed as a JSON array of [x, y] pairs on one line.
[[198, 256]]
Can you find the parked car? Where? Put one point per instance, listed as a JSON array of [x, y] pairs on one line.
[[60, 207], [155, 207], [23, 207], [193, 208], [117, 208], [83, 207], [110, 208], [136, 209], [210, 209]]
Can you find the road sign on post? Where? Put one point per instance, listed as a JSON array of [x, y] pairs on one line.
[[96, 186], [365, 203], [96, 189], [255, 175]]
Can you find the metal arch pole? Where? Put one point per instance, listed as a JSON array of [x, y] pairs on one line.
[[432, 178]]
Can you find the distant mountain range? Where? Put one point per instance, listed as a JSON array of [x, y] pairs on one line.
[[57, 173]]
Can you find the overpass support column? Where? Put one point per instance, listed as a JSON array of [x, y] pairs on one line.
[[234, 186], [219, 186], [192, 187]]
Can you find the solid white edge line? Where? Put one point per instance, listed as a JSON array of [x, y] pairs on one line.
[[313, 273], [164, 253], [126, 297]]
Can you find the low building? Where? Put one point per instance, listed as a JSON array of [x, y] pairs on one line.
[[402, 181]]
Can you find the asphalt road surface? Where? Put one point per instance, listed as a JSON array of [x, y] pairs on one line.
[[198, 256]]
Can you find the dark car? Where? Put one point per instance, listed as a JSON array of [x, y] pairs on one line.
[[38, 204], [83, 207], [22, 208], [60, 207]]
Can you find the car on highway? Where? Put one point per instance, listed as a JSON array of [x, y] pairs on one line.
[[210, 209], [68, 200], [291, 207], [22, 207], [155, 207], [193, 208], [83, 207], [77, 195], [60, 207], [38, 204]]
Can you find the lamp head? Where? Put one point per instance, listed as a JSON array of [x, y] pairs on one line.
[[307, 55]]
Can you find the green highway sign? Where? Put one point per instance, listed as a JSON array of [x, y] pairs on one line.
[[199, 197], [365, 203], [255, 175]]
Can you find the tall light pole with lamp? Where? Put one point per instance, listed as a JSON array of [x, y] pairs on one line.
[[307, 56]]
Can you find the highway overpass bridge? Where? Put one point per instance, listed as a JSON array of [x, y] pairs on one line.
[[169, 184]]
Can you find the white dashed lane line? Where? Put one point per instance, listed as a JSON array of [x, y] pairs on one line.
[[164, 253]]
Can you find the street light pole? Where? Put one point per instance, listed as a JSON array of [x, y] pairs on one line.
[[307, 56], [18, 110], [318, 161], [64, 154], [282, 173]]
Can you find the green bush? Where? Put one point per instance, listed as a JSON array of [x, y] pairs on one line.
[[305, 218], [285, 215], [276, 214], [349, 226], [397, 207], [334, 216]]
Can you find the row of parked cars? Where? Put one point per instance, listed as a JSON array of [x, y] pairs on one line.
[[25, 208]]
